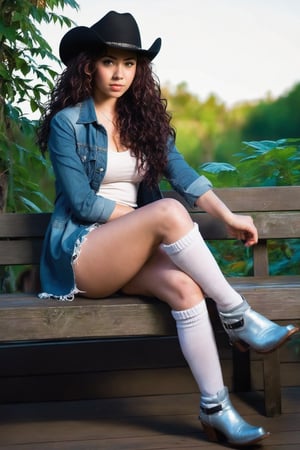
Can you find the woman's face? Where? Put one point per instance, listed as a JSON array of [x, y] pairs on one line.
[[115, 72]]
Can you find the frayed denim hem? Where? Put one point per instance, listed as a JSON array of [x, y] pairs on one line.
[[80, 241], [63, 298], [77, 248]]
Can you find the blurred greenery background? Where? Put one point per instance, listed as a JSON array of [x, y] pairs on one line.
[[248, 144]]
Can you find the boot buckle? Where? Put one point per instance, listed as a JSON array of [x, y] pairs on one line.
[[234, 325], [212, 410]]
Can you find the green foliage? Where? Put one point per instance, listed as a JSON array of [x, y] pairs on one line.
[[274, 119], [233, 257], [24, 77], [221, 174], [27, 170], [235, 260], [259, 163], [284, 256], [199, 125], [210, 131], [271, 163], [23, 49]]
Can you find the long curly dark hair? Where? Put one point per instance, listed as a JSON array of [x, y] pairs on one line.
[[143, 121]]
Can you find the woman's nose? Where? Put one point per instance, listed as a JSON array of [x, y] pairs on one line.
[[118, 74]]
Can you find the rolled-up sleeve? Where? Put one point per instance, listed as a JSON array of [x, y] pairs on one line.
[[183, 178]]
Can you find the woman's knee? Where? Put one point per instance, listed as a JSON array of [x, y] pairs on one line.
[[186, 293], [171, 214], [170, 206]]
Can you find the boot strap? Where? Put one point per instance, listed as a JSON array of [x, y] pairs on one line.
[[212, 410], [234, 325]]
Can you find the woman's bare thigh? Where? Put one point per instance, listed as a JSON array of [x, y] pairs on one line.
[[115, 252], [160, 278]]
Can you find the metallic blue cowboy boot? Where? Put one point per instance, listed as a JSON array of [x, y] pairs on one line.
[[247, 328], [220, 420]]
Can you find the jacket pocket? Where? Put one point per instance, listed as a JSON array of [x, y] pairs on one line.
[[88, 158]]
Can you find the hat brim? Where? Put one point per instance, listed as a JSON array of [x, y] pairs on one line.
[[82, 38]]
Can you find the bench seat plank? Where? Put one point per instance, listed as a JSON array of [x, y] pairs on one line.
[[276, 213], [29, 318]]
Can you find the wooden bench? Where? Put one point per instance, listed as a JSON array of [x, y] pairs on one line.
[[276, 212]]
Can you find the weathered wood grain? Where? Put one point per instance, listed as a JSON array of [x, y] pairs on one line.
[[25, 318]]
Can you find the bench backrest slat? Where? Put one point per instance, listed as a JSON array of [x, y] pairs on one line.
[[279, 198], [271, 225], [23, 225], [20, 252], [276, 212]]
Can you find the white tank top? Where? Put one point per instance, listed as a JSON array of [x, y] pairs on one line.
[[122, 179]]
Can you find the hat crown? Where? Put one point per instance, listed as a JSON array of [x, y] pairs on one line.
[[118, 28]]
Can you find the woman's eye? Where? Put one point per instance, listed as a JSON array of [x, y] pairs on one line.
[[107, 62]]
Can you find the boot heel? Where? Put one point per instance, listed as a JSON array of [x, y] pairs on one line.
[[212, 434], [221, 422], [241, 346]]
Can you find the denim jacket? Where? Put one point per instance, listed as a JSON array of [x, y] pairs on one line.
[[78, 152]]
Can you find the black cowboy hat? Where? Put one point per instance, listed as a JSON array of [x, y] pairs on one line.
[[113, 30]]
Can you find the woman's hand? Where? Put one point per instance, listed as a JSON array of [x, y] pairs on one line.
[[243, 228], [239, 226]]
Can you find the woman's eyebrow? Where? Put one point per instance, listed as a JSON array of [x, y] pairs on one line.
[[128, 58]]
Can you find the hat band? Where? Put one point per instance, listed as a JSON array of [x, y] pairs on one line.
[[122, 44]]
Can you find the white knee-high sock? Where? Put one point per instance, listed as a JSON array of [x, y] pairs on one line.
[[198, 346], [192, 256]]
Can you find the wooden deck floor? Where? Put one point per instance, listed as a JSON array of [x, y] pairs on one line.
[[166, 422]]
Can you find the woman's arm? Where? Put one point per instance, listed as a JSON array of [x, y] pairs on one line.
[[239, 226], [71, 176]]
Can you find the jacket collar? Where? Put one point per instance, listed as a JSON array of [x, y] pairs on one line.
[[87, 113]]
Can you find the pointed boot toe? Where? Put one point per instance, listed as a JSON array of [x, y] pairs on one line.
[[247, 328], [220, 421]]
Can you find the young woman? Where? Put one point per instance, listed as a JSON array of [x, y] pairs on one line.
[[110, 142]]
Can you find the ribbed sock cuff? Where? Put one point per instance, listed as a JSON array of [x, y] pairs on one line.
[[191, 315], [182, 243]]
